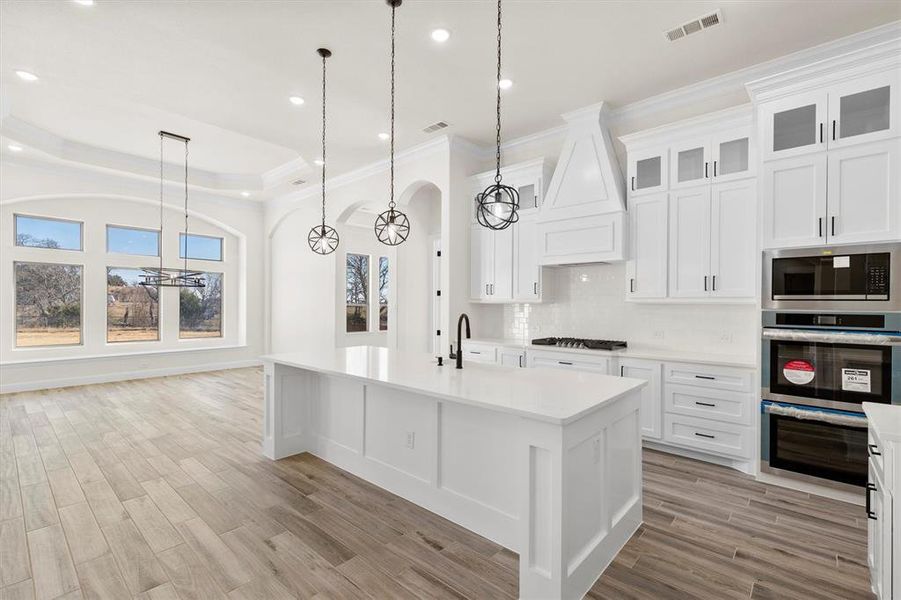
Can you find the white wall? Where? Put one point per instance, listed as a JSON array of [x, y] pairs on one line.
[[100, 197]]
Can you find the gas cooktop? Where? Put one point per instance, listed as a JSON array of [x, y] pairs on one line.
[[580, 343]]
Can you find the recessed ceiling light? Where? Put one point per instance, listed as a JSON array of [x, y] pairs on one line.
[[318, 162], [85, 2], [384, 137], [440, 35], [245, 194], [15, 148], [505, 84], [26, 75], [296, 100]]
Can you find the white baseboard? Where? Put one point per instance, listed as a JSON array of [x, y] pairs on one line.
[[124, 376]]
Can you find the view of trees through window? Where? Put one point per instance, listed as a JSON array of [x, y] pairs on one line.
[[357, 293], [200, 309], [38, 232], [48, 304], [383, 293], [132, 310]]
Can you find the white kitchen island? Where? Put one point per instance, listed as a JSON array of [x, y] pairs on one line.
[[544, 462]]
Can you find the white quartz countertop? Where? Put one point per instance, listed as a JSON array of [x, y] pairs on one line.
[[885, 419], [550, 395], [646, 352]]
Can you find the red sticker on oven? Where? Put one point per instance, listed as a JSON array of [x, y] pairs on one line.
[[799, 372]]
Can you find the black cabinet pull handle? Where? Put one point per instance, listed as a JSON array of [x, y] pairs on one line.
[[705, 403], [820, 226], [563, 362], [870, 513], [621, 369], [631, 284], [520, 361], [833, 130], [705, 377], [714, 283], [705, 435], [633, 184], [872, 448], [705, 283], [833, 227], [705, 170], [821, 133], [714, 168]]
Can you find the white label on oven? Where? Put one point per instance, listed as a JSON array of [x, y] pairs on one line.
[[841, 262], [799, 372], [856, 380]]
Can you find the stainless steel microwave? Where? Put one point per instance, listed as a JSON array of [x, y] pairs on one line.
[[858, 278]]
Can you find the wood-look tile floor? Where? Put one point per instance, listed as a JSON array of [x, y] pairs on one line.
[[156, 489]]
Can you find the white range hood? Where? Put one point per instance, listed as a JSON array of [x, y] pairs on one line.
[[582, 219]]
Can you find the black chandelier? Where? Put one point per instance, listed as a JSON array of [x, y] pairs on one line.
[[166, 277], [498, 204], [323, 239], [392, 226]]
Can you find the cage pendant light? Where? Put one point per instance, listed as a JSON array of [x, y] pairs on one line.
[[498, 204], [322, 238], [392, 226], [159, 276]]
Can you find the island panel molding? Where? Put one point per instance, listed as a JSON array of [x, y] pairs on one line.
[[550, 469]]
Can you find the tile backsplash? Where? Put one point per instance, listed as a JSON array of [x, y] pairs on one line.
[[589, 301]]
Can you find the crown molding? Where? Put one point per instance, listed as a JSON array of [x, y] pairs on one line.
[[735, 116]]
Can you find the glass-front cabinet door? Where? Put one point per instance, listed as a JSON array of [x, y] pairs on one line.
[[864, 110], [648, 171], [732, 155], [794, 126], [691, 163]]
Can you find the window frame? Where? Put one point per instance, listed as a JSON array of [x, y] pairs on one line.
[[387, 304], [159, 240], [368, 303], [15, 315], [221, 259], [221, 335], [16, 243], [159, 314]]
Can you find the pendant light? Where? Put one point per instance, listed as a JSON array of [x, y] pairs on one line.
[[167, 277], [498, 204], [322, 238], [392, 226]]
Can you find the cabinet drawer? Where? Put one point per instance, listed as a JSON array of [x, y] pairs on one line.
[[723, 378], [710, 436], [479, 353], [719, 405], [568, 360]]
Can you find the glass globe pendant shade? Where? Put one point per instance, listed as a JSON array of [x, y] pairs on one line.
[[498, 206], [323, 239], [392, 227]]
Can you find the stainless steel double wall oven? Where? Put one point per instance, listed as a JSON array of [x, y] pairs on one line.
[[831, 341]]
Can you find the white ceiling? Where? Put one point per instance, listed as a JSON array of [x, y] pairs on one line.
[[221, 71]]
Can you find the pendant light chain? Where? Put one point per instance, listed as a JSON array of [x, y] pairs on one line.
[[186, 206], [391, 203], [160, 242], [323, 140], [497, 176]]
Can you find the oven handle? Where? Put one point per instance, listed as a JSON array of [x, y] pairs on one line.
[[835, 337], [818, 415]]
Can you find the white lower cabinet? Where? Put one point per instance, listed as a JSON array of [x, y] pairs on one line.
[[511, 357], [883, 538], [651, 412], [569, 360], [715, 437], [478, 352]]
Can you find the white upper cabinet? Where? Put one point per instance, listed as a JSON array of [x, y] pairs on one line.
[[794, 125], [831, 155], [793, 193], [733, 155], [864, 110], [648, 171], [691, 163], [864, 198], [527, 273], [689, 243], [733, 239], [646, 268]]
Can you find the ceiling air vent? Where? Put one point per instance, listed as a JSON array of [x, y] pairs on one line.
[[435, 127], [694, 26]]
